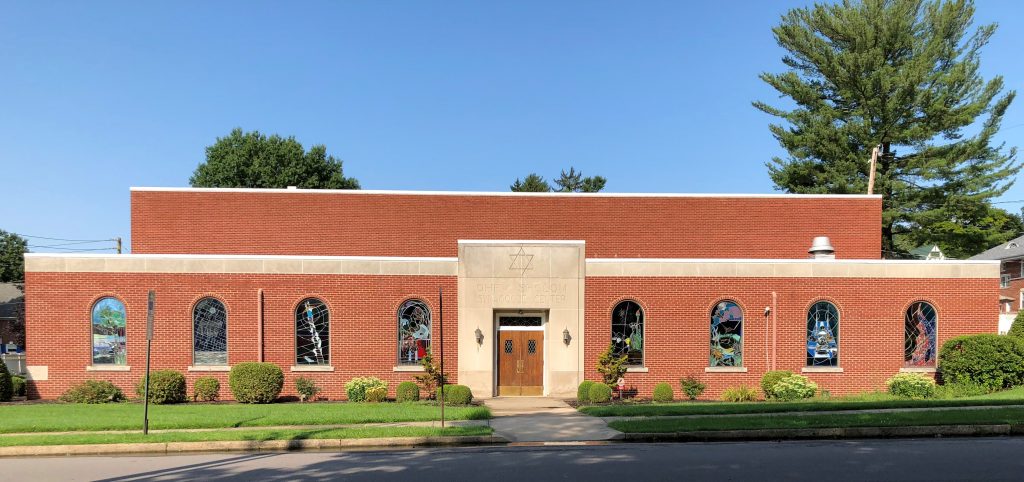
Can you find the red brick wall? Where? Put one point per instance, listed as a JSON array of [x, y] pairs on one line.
[[211, 222], [363, 324], [871, 324], [1016, 284]]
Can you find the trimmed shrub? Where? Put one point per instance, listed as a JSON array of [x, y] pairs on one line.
[[793, 387], [356, 388], [457, 395], [1017, 328], [18, 388], [407, 392], [741, 393], [165, 386], [692, 387], [992, 361], [583, 392], [663, 393], [206, 389], [377, 394], [911, 385], [253, 382], [599, 393], [769, 380], [93, 391], [307, 388], [6, 386]]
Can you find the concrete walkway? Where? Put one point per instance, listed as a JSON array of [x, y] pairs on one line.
[[433, 424], [538, 419]]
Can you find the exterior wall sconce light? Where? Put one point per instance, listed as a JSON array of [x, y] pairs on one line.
[[566, 337], [479, 336]]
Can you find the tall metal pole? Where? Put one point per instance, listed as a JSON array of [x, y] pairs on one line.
[[151, 306], [440, 309], [871, 176], [118, 239]]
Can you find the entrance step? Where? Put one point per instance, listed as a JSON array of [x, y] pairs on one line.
[[542, 419]]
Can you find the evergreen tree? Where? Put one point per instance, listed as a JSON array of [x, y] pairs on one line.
[[570, 181], [532, 183], [12, 257], [251, 159], [902, 75]]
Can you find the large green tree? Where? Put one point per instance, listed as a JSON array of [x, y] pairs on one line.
[[568, 181], [12, 257], [902, 75], [251, 159]]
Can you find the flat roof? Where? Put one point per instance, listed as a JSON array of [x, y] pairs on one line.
[[497, 193]]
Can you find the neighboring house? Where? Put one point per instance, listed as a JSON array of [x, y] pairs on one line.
[[928, 252], [1011, 280], [12, 313]]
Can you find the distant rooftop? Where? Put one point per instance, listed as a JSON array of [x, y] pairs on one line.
[[1013, 248]]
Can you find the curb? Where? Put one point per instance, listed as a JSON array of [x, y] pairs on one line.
[[247, 446], [830, 433]]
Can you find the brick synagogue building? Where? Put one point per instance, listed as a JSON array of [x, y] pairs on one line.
[[333, 285]]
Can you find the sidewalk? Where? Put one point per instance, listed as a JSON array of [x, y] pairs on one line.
[[437, 424], [807, 413], [539, 419]]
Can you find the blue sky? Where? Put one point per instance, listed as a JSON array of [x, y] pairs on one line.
[[655, 96]]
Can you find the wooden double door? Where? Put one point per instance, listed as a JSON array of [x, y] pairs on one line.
[[521, 363]]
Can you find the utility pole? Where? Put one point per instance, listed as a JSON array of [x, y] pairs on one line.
[[118, 240]]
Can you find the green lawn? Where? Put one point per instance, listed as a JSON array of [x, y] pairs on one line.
[[261, 435], [932, 417], [1013, 396], [59, 417]]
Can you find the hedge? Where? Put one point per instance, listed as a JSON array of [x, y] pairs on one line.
[[911, 385], [206, 389], [93, 391], [769, 379], [583, 392], [407, 392], [254, 382], [165, 386], [663, 393], [457, 395], [992, 361], [356, 388], [18, 387], [599, 393], [6, 385]]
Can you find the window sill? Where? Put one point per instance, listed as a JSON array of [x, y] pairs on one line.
[[408, 368], [107, 368], [209, 368], [725, 369], [637, 370], [312, 368], [821, 370], [918, 370]]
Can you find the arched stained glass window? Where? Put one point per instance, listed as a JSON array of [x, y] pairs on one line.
[[919, 335], [413, 332], [312, 333], [209, 333], [108, 332], [726, 335], [628, 332], [823, 335]]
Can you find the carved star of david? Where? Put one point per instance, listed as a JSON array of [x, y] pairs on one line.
[[521, 261]]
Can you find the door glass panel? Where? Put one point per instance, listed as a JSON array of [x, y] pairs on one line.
[[519, 321], [531, 347], [508, 347]]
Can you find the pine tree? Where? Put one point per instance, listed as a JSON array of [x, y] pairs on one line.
[[569, 181], [532, 183], [902, 75]]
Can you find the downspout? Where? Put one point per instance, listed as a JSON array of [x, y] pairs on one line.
[[259, 323], [775, 327]]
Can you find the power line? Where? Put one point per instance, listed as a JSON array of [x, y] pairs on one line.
[[74, 250], [62, 239], [70, 244]]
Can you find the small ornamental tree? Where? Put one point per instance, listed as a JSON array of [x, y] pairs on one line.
[[6, 385], [611, 367], [1017, 328], [432, 376]]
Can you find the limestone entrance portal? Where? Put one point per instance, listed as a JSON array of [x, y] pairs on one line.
[[520, 355]]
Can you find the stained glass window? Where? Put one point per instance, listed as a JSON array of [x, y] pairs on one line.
[[919, 335], [823, 335], [312, 333], [209, 333], [413, 332], [726, 335], [628, 332], [108, 332]]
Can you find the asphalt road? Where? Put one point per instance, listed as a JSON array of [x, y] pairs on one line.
[[874, 460]]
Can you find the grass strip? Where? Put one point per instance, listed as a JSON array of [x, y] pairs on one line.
[[722, 408], [935, 417], [246, 435], [59, 417]]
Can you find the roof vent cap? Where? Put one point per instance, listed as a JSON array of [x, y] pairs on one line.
[[292, 187], [821, 248]]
